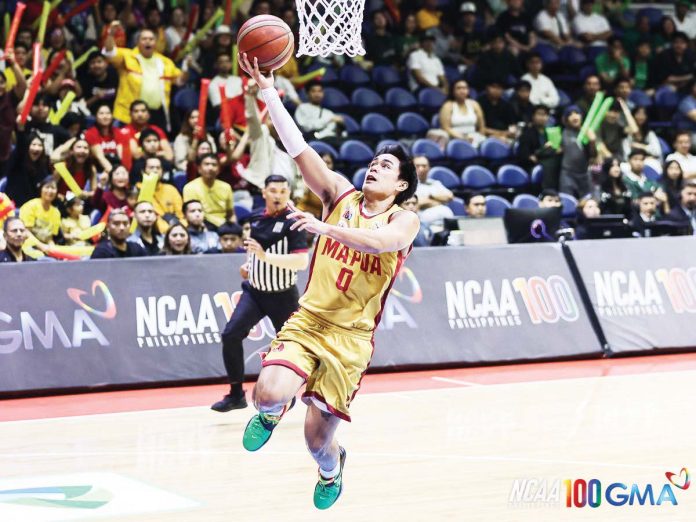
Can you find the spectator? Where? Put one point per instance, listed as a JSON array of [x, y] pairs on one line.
[[74, 222], [109, 14], [16, 234], [40, 215], [186, 142], [432, 195], [149, 143], [498, 114], [622, 94], [673, 182], [646, 212], [422, 238], [223, 77], [166, 200], [682, 145], [591, 28], [215, 195], [408, 41], [642, 68], [497, 64], [380, 45], [674, 67], [667, 30], [684, 18], [309, 201], [611, 134], [230, 239], [535, 149], [202, 239], [543, 90], [143, 75], [461, 117], [114, 193], [9, 98], [588, 208], [28, 166], [106, 143], [613, 63], [685, 118], [52, 135], [522, 106], [447, 46], [615, 197], [590, 87], [79, 163], [685, 211], [315, 121], [425, 69], [472, 40], [176, 30], [549, 198], [476, 206], [204, 147], [552, 25], [643, 138], [116, 245], [429, 15], [146, 234], [139, 121], [176, 241], [516, 26], [639, 33], [575, 177], [100, 84], [637, 182], [18, 56]]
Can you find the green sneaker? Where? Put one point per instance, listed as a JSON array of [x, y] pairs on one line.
[[260, 427], [326, 492]]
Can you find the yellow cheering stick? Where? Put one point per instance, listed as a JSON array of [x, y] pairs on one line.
[[64, 173], [29, 247], [63, 108], [200, 34], [52, 5], [89, 233], [6, 26], [235, 61], [73, 250], [147, 193], [299, 82], [43, 20], [83, 57]]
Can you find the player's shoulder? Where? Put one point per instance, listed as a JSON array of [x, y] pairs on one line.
[[404, 217]]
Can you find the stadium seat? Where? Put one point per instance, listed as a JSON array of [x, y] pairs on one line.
[[179, 180], [384, 143], [666, 98], [547, 52], [241, 212], [572, 56], [457, 207], [512, 176], [354, 76], [639, 98], [592, 52], [94, 216], [435, 121], [364, 98], [359, 177], [376, 124], [651, 173], [386, 76], [427, 148], [496, 206], [494, 150], [400, 99], [323, 148], [431, 99], [3, 184], [351, 126], [445, 176], [537, 175], [664, 146], [570, 204], [654, 14], [452, 74], [330, 76], [563, 98], [335, 99], [460, 151], [355, 151], [525, 201], [477, 177], [186, 99], [412, 124]]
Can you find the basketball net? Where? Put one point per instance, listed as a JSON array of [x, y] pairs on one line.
[[330, 27]]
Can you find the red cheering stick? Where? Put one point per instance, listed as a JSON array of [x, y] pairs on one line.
[[202, 105], [225, 114], [36, 58], [9, 44], [57, 59], [228, 12], [33, 89], [62, 20], [6, 208]]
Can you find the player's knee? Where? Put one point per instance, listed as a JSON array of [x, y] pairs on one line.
[[268, 396]]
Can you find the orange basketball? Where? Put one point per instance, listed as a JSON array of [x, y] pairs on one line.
[[268, 39]]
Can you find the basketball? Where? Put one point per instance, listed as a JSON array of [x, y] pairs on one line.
[[268, 39]]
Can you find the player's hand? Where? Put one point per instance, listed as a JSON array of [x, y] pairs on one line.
[[263, 81], [306, 221], [254, 247], [244, 271]]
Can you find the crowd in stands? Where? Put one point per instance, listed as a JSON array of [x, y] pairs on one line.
[[490, 96]]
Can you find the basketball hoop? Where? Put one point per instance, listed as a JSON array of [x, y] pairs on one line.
[[330, 27]]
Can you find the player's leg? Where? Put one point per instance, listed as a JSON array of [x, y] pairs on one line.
[[320, 428], [246, 314]]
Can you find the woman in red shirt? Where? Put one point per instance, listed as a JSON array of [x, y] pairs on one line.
[[104, 142]]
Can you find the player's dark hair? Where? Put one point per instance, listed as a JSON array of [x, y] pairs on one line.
[[274, 178], [407, 170]]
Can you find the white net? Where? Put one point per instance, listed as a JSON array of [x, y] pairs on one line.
[[330, 27]]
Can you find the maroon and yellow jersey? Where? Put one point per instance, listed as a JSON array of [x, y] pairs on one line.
[[348, 288]]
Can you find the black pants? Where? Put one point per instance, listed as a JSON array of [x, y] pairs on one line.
[[253, 306]]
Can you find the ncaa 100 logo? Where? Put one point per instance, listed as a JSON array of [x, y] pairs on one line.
[[488, 303]]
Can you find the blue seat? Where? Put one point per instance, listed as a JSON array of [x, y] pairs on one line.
[[460, 151], [427, 148], [654, 14], [94, 216], [452, 74], [3, 184], [435, 121], [186, 99], [374, 123], [445, 176], [494, 149], [537, 175], [512, 176], [335, 99], [477, 177], [330, 75], [457, 207], [179, 180], [593, 51], [412, 124], [640, 99], [351, 126], [353, 75], [547, 52], [384, 143], [364, 98], [386, 76], [525, 201], [651, 173], [241, 212], [666, 98], [496, 206], [563, 98], [355, 151], [399, 98], [359, 178], [431, 99], [323, 148], [570, 204], [664, 146], [572, 56]]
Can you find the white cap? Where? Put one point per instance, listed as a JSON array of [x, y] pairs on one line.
[[468, 7]]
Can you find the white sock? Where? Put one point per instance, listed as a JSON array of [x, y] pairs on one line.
[[331, 473], [276, 412]]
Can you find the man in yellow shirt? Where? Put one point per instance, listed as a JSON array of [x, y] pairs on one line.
[[167, 200], [215, 195], [144, 74], [429, 16]]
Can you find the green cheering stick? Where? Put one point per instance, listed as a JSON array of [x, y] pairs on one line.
[[594, 108], [554, 137], [599, 117], [200, 34]]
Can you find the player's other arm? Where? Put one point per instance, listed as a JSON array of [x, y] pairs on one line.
[[325, 183]]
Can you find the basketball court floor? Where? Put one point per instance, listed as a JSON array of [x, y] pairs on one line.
[[480, 444]]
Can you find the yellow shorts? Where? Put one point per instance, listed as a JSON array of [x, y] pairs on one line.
[[331, 359]]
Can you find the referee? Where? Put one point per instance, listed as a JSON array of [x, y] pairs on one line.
[[275, 254]]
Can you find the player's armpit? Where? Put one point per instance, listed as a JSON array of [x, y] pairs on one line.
[[325, 183]]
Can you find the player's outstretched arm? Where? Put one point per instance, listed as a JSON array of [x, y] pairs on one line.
[[325, 183]]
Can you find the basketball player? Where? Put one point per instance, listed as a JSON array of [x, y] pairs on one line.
[[328, 343]]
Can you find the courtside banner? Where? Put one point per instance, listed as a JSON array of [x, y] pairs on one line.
[[644, 291], [159, 319]]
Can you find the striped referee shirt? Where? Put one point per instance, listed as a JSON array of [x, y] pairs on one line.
[[274, 234]]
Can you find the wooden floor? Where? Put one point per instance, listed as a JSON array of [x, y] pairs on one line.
[[450, 450]]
